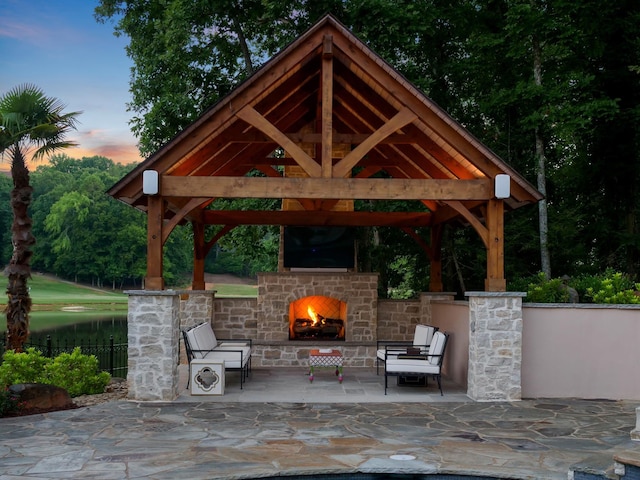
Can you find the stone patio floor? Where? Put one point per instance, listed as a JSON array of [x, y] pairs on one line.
[[280, 424]]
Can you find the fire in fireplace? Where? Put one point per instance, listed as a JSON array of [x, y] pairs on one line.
[[317, 318]]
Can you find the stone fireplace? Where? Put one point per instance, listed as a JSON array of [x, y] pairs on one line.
[[348, 301], [317, 318]]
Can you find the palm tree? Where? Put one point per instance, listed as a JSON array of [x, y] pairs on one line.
[[29, 122]]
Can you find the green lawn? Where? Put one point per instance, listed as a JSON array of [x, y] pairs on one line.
[[47, 293], [51, 294], [229, 290]]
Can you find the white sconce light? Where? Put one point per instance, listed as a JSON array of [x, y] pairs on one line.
[[502, 186], [150, 184]]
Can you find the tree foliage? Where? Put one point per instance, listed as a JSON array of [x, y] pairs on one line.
[[552, 86], [87, 236], [31, 123]]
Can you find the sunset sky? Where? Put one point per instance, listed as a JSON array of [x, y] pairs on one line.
[[58, 46]]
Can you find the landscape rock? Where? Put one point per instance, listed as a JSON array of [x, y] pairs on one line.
[[41, 396]]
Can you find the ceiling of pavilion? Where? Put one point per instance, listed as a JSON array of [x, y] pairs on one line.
[[352, 128]]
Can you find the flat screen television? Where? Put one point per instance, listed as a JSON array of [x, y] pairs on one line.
[[319, 247]]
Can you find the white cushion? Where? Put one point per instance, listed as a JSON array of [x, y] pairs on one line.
[[202, 339], [422, 335], [410, 365], [436, 348], [233, 358]]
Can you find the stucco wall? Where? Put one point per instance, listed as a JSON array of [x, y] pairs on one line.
[[453, 318], [581, 351]]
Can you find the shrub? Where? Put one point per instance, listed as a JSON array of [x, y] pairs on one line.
[[78, 374], [25, 367], [547, 291], [75, 372], [615, 288]]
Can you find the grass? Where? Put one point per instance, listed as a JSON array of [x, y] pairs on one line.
[[229, 290], [50, 294]]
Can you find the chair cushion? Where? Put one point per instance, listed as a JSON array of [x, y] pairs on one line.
[[233, 357], [202, 339], [436, 348], [422, 335], [410, 365]]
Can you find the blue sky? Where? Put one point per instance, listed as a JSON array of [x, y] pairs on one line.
[[58, 46]]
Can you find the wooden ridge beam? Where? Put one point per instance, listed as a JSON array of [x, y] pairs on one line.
[[317, 218], [327, 188]]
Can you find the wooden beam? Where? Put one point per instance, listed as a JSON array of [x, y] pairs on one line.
[[402, 118], [435, 262], [197, 282], [155, 218], [472, 219], [318, 218], [310, 137], [183, 212], [253, 118], [495, 281], [327, 188], [226, 229], [327, 107], [413, 234]]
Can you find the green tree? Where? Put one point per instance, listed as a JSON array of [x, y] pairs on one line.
[[89, 237], [30, 121], [186, 54], [551, 85]]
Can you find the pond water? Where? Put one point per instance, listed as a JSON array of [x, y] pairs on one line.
[[83, 326]]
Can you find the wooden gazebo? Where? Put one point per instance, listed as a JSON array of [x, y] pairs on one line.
[[343, 118]]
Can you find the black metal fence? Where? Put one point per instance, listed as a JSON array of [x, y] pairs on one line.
[[111, 353]]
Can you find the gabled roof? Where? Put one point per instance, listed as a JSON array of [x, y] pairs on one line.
[[344, 117]]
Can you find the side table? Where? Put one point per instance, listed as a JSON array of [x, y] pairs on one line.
[[325, 357], [206, 377]]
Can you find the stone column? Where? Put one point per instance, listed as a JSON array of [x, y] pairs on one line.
[[154, 327], [495, 346]]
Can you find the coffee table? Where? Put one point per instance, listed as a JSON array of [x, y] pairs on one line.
[[325, 357]]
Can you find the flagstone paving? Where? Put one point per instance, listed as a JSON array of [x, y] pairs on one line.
[[204, 439]]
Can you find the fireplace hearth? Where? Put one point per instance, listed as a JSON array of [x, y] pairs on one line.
[[317, 318]]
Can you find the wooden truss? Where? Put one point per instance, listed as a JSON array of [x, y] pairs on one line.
[[326, 122]]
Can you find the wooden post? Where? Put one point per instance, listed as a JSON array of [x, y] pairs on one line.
[[327, 107], [495, 281], [197, 282], [435, 261], [155, 214]]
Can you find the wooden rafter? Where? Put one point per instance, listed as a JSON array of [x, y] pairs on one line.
[[325, 91]]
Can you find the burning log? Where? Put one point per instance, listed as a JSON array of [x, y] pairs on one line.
[[324, 328]]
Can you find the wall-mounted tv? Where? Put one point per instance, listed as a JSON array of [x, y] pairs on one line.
[[319, 247]]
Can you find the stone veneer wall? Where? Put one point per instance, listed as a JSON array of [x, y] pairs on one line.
[[397, 319], [277, 290], [266, 319], [495, 346], [153, 325]]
